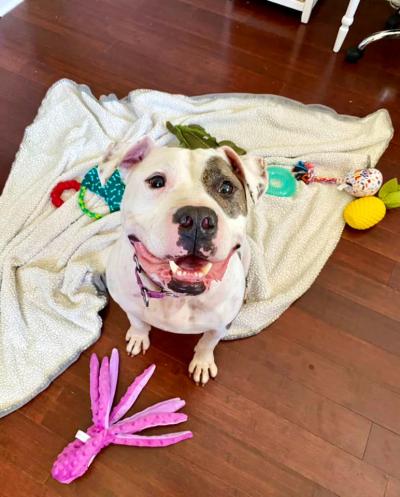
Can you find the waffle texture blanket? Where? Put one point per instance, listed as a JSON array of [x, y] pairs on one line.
[[52, 260]]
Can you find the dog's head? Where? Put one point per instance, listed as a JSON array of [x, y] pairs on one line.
[[185, 210]]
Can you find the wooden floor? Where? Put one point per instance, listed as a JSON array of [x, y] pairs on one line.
[[308, 408]]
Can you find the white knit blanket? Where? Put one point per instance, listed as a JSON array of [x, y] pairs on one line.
[[52, 260]]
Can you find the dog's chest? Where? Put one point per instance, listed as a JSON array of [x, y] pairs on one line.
[[179, 315], [197, 314]]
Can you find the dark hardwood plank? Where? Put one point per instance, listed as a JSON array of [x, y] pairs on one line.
[[17, 482], [393, 488], [394, 281], [28, 446], [368, 263], [361, 290], [352, 318], [322, 492], [383, 450], [368, 360], [377, 240]]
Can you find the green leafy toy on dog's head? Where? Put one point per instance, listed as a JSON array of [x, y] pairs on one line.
[[193, 136]]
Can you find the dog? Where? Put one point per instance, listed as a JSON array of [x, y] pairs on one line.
[[182, 259]]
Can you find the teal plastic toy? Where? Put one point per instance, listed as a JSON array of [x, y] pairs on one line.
[[281, 182]]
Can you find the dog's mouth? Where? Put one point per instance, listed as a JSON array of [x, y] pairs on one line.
[[189, 274], [190, 268]]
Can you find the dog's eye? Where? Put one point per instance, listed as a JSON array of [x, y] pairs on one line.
[[156, 181], [226, 188]]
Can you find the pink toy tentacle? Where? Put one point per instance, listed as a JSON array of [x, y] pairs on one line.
[[149, 421], [104, 393], [131, 394], [94, 387], [114, 364], [152, 441], [171, 405]]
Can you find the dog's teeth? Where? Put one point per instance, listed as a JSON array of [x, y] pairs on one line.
[[206, 269], [174, 267]]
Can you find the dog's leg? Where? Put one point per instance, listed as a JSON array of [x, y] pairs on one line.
[[203, 365], [137, 336]]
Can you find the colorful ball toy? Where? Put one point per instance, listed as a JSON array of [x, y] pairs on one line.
[[362, 182]]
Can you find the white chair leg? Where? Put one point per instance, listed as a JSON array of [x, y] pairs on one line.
[[347, 21], [306, 13]]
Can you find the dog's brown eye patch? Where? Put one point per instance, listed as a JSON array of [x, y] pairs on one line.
[[225, 187]]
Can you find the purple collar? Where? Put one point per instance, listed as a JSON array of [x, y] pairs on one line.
[[146, 292]]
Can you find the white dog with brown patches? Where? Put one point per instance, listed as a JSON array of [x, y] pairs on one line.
[[182, 259]]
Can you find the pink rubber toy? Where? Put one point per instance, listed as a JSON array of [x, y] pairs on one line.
[[107, 428]]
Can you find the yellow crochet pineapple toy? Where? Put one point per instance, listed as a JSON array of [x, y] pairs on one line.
[[365, 212]]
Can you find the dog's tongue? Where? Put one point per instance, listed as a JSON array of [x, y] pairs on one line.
[[191, 263]]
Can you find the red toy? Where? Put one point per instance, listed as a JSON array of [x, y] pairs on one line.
[[60, 188]]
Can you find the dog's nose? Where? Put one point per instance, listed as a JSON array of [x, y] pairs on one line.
[[208, 223], [186, 222], [196, 221]]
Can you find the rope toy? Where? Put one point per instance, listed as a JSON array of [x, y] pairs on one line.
[[305, 172], [60, 188], [359, 183], [108, 427]]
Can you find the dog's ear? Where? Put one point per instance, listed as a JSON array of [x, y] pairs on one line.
[[137, 152], [251, 171]]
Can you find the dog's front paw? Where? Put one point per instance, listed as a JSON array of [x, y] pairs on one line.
[[137, 343], [203, 367]]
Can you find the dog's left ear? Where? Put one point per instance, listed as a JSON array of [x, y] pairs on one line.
[[137, 152], [251, 171]]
